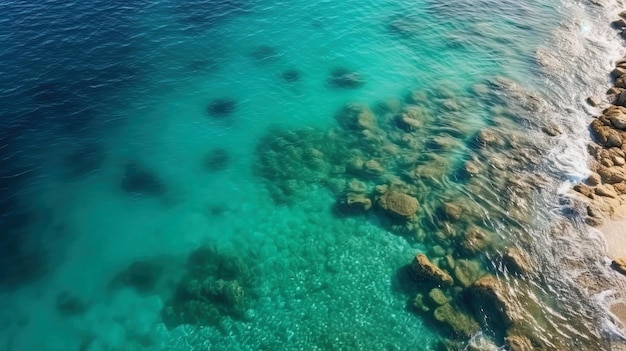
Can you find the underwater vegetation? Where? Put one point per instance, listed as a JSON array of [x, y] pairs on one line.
[[290, 75], [138, 180], [345, 79], [216, 285]]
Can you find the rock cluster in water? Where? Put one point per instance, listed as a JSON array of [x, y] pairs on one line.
[[216, 285], [427, 171]]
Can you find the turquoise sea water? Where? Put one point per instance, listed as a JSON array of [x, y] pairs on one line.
[[111, 156]]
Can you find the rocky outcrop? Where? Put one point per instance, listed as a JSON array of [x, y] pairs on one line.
[[422, 269]]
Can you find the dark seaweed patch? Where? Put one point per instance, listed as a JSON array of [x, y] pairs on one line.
[[139, 181], [345, 79], [222, 107], [290, 75]]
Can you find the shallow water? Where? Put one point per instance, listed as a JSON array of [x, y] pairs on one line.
[[140, 132]]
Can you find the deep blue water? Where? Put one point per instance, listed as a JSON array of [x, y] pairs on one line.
[[134, 133]]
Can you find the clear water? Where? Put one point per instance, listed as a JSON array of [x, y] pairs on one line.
[[88, 89]]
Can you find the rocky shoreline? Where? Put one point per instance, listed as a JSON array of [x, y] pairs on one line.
[[604, 191]]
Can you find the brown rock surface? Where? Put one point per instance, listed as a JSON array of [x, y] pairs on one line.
[[619, 264], [424, 270], [398, 204]]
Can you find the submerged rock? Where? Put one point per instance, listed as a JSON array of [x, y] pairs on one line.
[[345, 78], [140, 181], [475, 240], [353, 203], [466, 272], [398, 204], [143, 276], [68, 304], [462, 324], [516, 261], [290, 75], [356, 116], [519, 343], [222, 107], [422, 269]]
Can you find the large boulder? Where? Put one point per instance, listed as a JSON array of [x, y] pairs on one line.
[[398, 204], [605, 135], [422, 269]]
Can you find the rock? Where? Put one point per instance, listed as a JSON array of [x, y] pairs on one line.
[[605, 135], [407, 123], [466, 272], [605, 190], [617, 72], [373, 167], [620, 98], [594, 101], [622, 15], [620, 188], [472, 168], [424, 270], [584, 190], [621, 82], [398, 204], [357, 117], [619, 121], [142, 275], [290, 75], [619, 265], [611, 175], [358, 201], [491, 298], [345, 78], [475, 240], [618, 24], [516, 261], [419, 304], [453, 211], [519, 343], [552, 130], [68, 304], [221, 107], [138, 180], [461, 323], [438, 297], [594, 222], [488, 137], [593, 179]]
